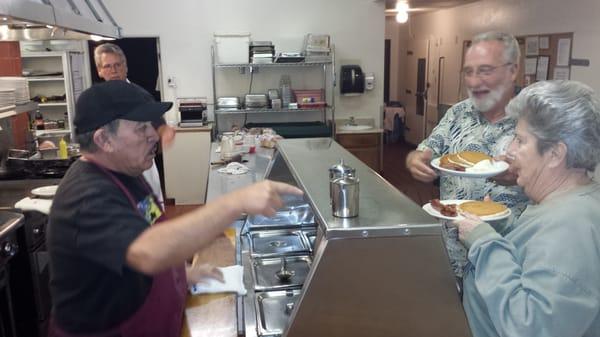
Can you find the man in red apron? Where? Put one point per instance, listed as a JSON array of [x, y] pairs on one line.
[[115, 271]]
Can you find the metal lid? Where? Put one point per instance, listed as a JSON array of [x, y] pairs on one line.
[[346, 180], [340, 170]]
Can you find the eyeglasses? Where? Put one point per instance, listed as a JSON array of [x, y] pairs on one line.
[[483, 71], [115, 66]]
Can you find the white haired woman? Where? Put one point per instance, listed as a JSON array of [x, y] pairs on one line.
[[543, 278]]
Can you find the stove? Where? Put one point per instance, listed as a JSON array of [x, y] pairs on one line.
[[9, 223], [14, 190], [30, 277]]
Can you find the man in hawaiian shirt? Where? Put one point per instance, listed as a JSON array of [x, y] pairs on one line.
[[478, 123]]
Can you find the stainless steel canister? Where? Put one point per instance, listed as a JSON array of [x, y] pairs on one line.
[[345, 196], [337, 171]]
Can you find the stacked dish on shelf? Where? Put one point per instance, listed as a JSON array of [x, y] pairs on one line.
[[20, 87], [7, 97]]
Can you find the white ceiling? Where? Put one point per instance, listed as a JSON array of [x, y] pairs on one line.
[[427, 5]]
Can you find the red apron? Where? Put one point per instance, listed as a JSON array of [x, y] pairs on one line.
[[162, 311]]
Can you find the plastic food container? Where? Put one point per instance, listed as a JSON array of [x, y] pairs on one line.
[[232, 48], [310, 99]]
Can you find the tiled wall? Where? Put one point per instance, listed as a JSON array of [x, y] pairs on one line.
[[10, 59], [10, 65]]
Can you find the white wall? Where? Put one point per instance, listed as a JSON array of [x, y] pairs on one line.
[[519, 17], [185, 29], [398, 35]]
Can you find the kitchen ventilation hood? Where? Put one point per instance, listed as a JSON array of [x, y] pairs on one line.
[[55, 19]]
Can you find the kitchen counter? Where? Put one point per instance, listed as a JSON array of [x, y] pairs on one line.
[[205, 128], [351, 132], [214, 314], [219, 183], [340, 123], [12, 191]]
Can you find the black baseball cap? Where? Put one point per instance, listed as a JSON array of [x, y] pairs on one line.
[[111, 100]]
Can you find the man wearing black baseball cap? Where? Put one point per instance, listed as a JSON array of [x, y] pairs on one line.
[[114, 273]]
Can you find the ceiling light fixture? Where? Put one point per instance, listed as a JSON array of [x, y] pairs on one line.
[[98, 38], [402, 6], [402, 17], [402, 11]]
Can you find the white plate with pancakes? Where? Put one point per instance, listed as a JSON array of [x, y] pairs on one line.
[[487, 211], [469, 164]]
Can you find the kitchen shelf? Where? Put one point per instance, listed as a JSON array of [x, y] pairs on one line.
[[53, 104], [326, 67], [45, 79], [274, 65], [266, 110], [58, 73], [29, 106], [51, 131]]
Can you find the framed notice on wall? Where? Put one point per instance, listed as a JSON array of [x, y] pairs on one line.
[[542, 68], [532, 46], [561, 73], [530, 65], [541, 55], [563, 57]]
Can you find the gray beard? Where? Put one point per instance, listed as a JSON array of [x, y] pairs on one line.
[[486, 104]]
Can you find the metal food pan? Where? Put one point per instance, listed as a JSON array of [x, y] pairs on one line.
[[271, 243], [293, 216], [264, 272], [273, 309]]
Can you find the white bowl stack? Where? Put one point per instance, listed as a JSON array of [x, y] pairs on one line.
[[20, 87]]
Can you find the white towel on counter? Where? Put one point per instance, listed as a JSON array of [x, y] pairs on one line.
[[234, 282], [234, 168], [40, 205]]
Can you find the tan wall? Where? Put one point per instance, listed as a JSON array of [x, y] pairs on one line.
[[522, 17]]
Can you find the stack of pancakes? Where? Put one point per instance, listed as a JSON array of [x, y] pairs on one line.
[[482, 208], [461, 160]]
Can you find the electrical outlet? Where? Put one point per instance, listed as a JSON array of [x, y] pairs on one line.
[[171, 82]]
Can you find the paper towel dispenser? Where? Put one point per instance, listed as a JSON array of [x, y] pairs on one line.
[[352, 80]]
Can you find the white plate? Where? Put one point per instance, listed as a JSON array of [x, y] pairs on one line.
[[434, 213], [45, 191], [499, 167]]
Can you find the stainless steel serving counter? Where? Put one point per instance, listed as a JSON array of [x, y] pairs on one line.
[[383, 273], [219, 183], [383, 210]]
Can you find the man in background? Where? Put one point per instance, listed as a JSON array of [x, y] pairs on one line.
[[111, 65], [478, 123]]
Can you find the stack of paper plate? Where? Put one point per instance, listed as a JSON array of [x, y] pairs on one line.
[[7, 111], [20, 87], [7, 97]]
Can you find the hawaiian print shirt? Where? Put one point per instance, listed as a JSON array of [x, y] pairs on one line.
[[464, 128]]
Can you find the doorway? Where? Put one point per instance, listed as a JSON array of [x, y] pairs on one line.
[[386, 71], [416, 87], [143, 62], [143, 69]]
